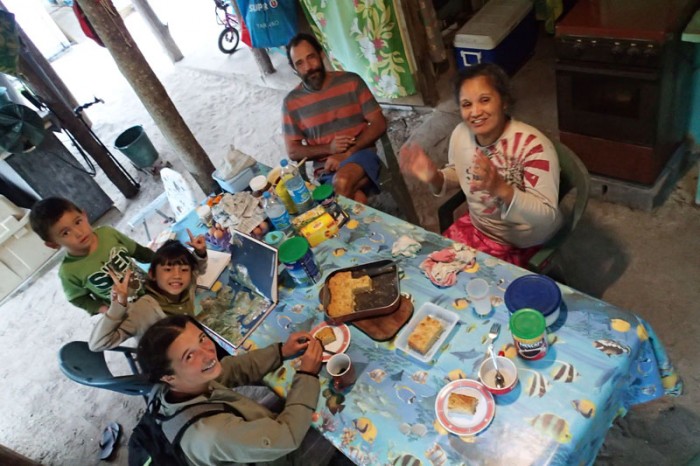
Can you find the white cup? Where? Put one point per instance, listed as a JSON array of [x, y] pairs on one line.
[[478, 290]]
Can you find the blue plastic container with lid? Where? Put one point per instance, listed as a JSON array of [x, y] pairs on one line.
[[534, 292]]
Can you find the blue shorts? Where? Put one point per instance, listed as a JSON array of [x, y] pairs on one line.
[[366, 158]]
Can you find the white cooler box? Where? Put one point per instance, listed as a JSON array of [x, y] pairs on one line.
[[502, 32], [22, 252]]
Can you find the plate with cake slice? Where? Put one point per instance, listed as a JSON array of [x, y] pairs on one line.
[[465, 407], [425, 333], [335, 338]]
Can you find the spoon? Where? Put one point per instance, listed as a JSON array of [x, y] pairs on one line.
[[500, 381]]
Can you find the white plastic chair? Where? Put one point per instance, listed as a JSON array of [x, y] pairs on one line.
[[180, 195]]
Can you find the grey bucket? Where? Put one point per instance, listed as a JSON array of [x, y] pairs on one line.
[[134, 143]]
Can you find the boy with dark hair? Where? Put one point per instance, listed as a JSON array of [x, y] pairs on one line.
[[91, 254]]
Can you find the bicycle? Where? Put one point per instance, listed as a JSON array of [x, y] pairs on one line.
[[229, 37]]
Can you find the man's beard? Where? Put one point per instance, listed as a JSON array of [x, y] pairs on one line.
[[314, 78]]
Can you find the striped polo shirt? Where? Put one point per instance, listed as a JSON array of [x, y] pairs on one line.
[[342, 107]]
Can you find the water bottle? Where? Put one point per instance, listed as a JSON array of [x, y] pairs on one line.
[[276, 212], [296, 187]]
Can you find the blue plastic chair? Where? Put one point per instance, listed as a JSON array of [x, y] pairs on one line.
[[87, 367]]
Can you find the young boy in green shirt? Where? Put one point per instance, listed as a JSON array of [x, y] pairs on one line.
[[91, 254]]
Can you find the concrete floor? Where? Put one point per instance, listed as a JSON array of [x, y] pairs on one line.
[[645, 262]]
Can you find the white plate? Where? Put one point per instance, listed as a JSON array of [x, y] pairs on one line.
[[465, 424], [448, 318], [342, 338]]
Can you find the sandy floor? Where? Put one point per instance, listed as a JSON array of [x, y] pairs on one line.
[[646, 262]]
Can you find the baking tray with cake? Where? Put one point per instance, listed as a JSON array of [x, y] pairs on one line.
[[369, 297], [426, 332], [361, 291]]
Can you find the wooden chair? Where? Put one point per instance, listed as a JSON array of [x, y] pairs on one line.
[[573, 175]]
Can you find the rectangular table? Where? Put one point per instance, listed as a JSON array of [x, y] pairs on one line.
[[602, 360]]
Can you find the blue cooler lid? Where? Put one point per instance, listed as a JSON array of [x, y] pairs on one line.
[[533, 292]]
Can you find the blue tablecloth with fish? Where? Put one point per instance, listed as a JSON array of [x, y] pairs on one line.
[[601, 360]]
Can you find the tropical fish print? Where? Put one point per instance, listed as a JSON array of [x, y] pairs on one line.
[[420, 376], [406, 460], [620, 325], [377, 375], [334, 401], [460, 303], [565, 372], [610, 347], [366, 428], [339, 252], [585, 407], [553, 426], [537, 385], [455, 374], [436, 455]]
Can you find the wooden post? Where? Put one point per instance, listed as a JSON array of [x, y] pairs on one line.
[[38, 82], [58, 87], [260, 55], [425, 75], [111, 29], [160, 30]]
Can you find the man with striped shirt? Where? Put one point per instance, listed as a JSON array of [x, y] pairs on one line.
[[332, 119]]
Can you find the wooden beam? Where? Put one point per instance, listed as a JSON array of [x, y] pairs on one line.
[[425, 75], [160, 30], [133, 65]]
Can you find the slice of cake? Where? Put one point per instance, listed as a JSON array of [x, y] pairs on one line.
[[426, 333], [326, 336], [462, 404], [343, 289]]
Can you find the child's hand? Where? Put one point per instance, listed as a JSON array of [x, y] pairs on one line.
[[120, 288], [198, 243]]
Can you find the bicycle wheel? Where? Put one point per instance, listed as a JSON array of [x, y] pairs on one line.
[[228, 40]]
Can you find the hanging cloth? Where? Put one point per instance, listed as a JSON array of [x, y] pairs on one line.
[[272, 23], [85, 24], [9, 43]]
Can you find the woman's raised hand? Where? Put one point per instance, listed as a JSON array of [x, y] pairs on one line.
[[415, 162], [485, 177], [120, 288]]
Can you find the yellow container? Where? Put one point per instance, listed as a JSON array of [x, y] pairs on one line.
[[281, 190], [321, 229]]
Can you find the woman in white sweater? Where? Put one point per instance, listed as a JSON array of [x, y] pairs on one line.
[[508, 170]]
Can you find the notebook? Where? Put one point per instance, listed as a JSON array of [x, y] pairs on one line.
[[216, 263], [247, 295]]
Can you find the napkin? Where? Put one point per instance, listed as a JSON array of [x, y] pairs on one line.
[[405, 246], [441, 267]]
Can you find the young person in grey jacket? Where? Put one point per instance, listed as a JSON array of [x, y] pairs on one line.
[[170, 288], [177, 353]]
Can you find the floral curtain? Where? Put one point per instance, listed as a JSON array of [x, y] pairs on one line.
[[363, 36]]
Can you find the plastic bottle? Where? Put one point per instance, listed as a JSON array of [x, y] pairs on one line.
[[276, 212], [281, 190], [296, 187]]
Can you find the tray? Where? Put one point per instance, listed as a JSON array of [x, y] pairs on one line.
[[384, 328], [382, 300], [448, 318]]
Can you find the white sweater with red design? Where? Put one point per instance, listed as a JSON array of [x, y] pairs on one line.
[[527, 160]]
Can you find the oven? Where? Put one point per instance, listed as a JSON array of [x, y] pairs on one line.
[[623, 86]]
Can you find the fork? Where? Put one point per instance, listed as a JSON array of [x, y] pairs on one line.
[[493, 332]]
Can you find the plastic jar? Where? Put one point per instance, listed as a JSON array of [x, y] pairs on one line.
[[534, 292], [296, 255], [259, 185], [529, 333], [274, 238], [324, 195]]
